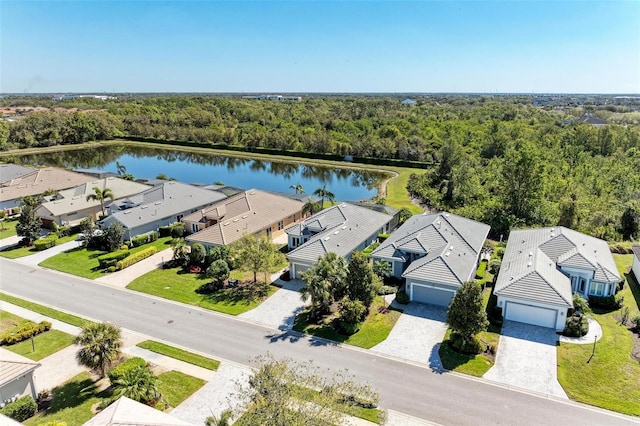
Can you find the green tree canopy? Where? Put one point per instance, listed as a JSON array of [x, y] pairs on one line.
[[29, 224], [466, 315], [100, 345]]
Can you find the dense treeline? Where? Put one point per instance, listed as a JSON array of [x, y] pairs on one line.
[[500, 160]]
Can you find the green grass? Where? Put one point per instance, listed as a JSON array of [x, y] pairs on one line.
[[45, 310], [181, 288], [374, 415], [83, 262], [71, 403], [46, 343], [175, 387], [9, 321], [180, 354], [611, 379], [374, 329], [16, 252], [397, 195], [7, 228]]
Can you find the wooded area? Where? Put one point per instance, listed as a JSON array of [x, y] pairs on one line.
[[500, 160]]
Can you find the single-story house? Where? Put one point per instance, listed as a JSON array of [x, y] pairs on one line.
[[635, 266], [70, 206], [159, 206], [13, 171], [341, 229], [96, 174], [435, 254], [127, 412], [38, 182], [249, 212], [16, 377], [542, 268]]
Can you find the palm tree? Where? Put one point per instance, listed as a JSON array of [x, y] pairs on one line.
[[323, 280], [324, 193], [180, 251], [309, 207], [100, 346], [223, 420], [298, 188], [101, 195], [139, 384]]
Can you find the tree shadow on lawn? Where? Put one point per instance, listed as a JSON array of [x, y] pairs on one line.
[[242, 294], [73, 394]]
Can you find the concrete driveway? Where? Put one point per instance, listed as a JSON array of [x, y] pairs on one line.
[[124, 277], [280, 310], [35, 259], [527, 359], [417, 335]]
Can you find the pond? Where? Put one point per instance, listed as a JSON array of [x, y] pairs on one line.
[[190, 167]]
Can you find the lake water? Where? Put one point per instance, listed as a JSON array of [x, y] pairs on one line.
[[346, 184]]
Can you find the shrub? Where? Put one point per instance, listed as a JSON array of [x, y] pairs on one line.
[[136, 257], [23, 333], [351, 313], [499, 252], [457, 343], [387, 289], [610, 303], [218, 271], [177, 230], [106, 259], [576, 326], [45, 243], [382, 237], [139, 240], [111, 269], [21, 409], [164, 231], [636, 322], [482, 268], [210, 287], [402, 297], [124, 367], [494, 266]]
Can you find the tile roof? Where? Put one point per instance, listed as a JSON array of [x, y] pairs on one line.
[[339, 229], [127, 412], [636, 251], [245, 213], [529, 266], [13, 171], [76, 198], [13, 366], [39, 181], [450, 245]]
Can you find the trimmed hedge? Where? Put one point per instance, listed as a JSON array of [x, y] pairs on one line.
[[110, 259], [45, 243], [20, 410], [136, 257], [23, 333], [482, 268], [402, 297], [144, 239], [124, 367], [610, 303]]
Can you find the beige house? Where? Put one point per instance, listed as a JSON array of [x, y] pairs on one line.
[[127, 412], [16, 377], [70, 206], [249, 212], [38, 182]]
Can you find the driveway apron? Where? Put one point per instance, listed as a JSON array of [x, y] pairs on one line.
[[35, 259], [527, 359], [280, 310]]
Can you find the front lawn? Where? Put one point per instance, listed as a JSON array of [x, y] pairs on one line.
[[374, 329], [176, 285], [7, 228], [83, 262], [9, 321], [180, 354], [175, 387], [611, 379], [45, 344], [15, 252]]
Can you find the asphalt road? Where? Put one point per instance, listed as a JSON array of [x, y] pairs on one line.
[[412, 389]]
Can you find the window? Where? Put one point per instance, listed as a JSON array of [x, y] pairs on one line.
[[574, 281], [280, 225], [597, 289], [268, 231], [194, 227], [583, 283]]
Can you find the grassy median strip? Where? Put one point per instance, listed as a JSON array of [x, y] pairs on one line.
[[180, 354], [44, 310]]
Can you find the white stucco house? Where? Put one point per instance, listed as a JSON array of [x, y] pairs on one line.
[[435, 254], [635, 266], [16, 377], [542, 268]]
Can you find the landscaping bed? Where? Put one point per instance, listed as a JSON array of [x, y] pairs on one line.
[[375, 328], [43, 344], [18, 251]]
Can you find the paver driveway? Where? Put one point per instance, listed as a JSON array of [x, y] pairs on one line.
[[280, 310], [527, 359], [417, 335]]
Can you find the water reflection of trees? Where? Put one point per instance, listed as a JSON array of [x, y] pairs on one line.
[[102, 156]]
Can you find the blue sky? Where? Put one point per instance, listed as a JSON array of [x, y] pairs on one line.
[[320, 46]]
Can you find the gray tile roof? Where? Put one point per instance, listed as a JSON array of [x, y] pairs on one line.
[[340, 229], [636, 251], [13, 171], [13, 366], [169, 199], [529, 267], [450, 245]]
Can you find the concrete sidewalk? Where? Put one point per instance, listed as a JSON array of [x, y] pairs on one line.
[[124, 277], [35, 259], [9, 242]]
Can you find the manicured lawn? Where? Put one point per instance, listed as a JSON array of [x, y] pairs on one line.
[[45, 310], [374, 330], [7, 228], [180, 354], [45, 344], [175, 285], [611, 379], [84, 263], [71, 402], [9, 321], [175, 387], [397, 195], [17, 252]]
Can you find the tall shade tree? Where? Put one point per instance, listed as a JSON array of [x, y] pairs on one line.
[[297, 188], [323, 280], [284, 393], [101, 195], [100, 345], [466, 315], [256, 253], [324, 194], [29, 223]]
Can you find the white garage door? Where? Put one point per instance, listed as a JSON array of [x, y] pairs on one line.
[[433, 295], [531, 315], [299, 269]]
